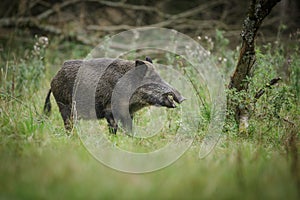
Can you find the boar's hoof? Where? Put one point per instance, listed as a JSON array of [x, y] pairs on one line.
[[112, 130], [112, 124]]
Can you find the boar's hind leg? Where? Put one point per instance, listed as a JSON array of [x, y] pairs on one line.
[[112, 124], [65, 112]]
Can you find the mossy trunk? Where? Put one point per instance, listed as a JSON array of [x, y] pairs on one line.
[[258, 10]]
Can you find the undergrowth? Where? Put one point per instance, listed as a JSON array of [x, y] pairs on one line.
[[40, 160]]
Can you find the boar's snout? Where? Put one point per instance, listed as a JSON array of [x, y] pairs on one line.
[[179, 98]]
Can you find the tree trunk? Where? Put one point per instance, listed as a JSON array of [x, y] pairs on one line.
[[258, 10]]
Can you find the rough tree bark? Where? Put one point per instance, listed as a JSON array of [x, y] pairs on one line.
[[258, 10]]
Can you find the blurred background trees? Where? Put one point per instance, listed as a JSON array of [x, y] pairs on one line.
[[88, 20]]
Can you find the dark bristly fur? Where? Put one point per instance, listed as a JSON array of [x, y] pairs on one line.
[[159, 93]]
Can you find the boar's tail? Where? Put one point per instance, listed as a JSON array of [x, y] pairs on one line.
[[47, 106]]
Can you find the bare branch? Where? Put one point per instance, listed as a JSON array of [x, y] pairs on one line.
[[268, 85], [178, 19], [197, 10], [180, 24], [171, 19], [132, 7], [51, 11], [109, 28]]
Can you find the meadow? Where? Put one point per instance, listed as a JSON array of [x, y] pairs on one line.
[[40, 160]]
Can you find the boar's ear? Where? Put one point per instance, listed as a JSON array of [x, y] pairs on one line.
[[138, 63], [149, 59]]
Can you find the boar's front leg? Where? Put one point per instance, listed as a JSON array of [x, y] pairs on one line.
[[65, 111], [112, 124]]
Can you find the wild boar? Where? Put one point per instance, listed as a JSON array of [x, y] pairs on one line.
[[107, 75]]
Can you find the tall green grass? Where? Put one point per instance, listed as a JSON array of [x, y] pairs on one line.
[[39, 160]]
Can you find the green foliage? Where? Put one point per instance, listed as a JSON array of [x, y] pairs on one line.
[[276, 109], [22, 76], [221, 41], [223, 56], [40, 161], [294, 63]]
